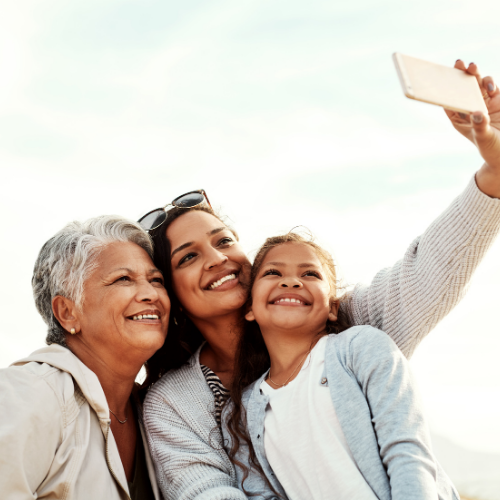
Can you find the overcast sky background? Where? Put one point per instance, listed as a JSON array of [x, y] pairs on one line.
[[286, 113]]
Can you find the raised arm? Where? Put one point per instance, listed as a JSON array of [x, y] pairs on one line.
[[30, 433], [408, 299], [186, 445]]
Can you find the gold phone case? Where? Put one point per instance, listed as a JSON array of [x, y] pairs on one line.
[[447, 87]]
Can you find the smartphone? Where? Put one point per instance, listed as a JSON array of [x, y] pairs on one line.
[[447, 87]]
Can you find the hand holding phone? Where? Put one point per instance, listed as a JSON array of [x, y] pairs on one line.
[[472, 104]]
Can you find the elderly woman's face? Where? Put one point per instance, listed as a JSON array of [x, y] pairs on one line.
[[125, 307]]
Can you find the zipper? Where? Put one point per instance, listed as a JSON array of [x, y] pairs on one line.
[[109, 465]]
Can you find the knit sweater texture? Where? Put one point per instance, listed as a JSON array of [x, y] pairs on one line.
[[406, 301]]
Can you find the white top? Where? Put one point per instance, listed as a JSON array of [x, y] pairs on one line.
[[303, 439]]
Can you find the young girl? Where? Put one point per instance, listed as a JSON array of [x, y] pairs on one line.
[[336, 413]]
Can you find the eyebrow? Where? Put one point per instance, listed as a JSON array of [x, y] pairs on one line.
[[153, 270], [216, 230], [189, 243], [278, 264]]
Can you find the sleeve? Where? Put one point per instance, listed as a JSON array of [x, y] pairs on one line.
[[402, 434], [407, 300], [189, 459], [30, 432]]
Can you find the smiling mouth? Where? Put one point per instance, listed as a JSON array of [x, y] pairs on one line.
[[218, 283]]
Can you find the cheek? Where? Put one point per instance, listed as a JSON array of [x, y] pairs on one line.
[[240, 258], [185, 284], [100, 315], [165, 300], [183, 281], [259, 297], [324, 299]]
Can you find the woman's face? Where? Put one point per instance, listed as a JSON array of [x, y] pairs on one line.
[[125, 307], [210, 272]]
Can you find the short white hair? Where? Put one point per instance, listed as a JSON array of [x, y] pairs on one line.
[[69, 257]]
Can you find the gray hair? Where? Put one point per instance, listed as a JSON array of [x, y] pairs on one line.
[[69, 257]]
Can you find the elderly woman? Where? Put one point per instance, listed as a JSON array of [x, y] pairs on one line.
[[70, 426]]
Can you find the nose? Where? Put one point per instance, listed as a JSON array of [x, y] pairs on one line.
[[215, 258], [288, 282], [146, 292]]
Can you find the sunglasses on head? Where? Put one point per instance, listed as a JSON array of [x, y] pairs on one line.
[[155, 218]]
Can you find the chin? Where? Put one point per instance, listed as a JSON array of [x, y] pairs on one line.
[[239, 303], [232, 301], [152, 341]]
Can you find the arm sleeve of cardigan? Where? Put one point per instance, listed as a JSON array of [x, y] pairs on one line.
[[188, 464], [404, 443], [407, 300], [30, 432]]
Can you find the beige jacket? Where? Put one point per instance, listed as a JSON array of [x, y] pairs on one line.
[[55, 437]]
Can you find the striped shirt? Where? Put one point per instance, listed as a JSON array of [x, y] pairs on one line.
[[221, 394]]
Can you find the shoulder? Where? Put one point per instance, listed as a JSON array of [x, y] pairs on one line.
[[361, 333], [248, 395], [362, 340], [183, 390], [35, 389], [35, 376], [250, 391], [176, 381]]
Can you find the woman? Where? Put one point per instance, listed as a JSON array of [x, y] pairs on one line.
[[208, 275], [70, 426]]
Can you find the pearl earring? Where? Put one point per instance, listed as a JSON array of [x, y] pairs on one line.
[[72, 331]]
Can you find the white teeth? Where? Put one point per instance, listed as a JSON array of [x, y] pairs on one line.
[[145, 316], [222, 280], [293, 301]]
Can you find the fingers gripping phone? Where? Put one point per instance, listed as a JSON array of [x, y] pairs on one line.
[[450, 88]]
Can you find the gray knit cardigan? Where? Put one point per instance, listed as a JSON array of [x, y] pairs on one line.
[[406, 301]]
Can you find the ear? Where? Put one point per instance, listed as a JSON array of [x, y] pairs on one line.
[[334, 309], [66, 313], [249, 316]]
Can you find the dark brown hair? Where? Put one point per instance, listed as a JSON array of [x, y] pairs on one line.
[[183, 337], [252, 357]]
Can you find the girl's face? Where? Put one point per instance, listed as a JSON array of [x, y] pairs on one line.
[[291, 291], [210, 272]]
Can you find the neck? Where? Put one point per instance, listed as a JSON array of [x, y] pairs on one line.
[[287, 350], [116, 376], [222, 335]]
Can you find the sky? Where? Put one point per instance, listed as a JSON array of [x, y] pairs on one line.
[[286, 113]]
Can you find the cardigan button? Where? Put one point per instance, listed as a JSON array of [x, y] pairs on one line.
[[324, 380]]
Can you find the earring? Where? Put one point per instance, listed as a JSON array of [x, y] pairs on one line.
[[72, 331], [181, 322]]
